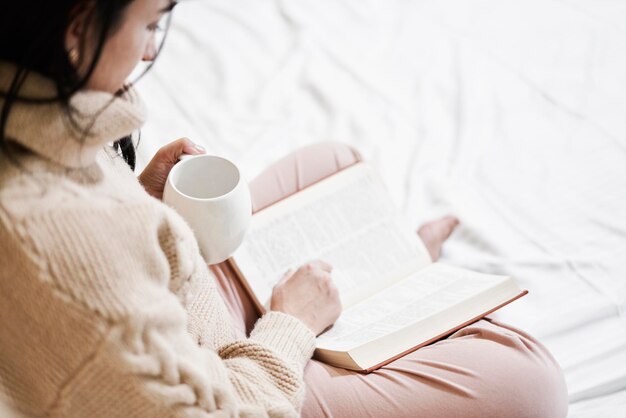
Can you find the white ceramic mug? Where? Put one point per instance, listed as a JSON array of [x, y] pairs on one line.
[[210, 193]]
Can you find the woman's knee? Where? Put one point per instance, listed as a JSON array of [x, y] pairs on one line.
[[522, 378], [339, 153], [347, 154], [299, 169], [539, 387], [485, 370]]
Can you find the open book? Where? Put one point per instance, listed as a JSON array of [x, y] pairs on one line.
[[395, 299]]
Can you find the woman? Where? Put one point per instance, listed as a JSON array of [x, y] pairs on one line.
[[107, 308]]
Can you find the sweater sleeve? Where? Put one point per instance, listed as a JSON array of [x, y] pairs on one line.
[[147, 364]]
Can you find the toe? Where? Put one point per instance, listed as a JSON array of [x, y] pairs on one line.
[[434, 233]]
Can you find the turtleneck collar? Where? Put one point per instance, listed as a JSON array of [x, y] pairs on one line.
[[72, 140]]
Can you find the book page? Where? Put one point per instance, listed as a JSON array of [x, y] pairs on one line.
[[348, 221], [420, 296]]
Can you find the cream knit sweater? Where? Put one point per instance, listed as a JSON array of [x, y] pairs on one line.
[[106, 307]]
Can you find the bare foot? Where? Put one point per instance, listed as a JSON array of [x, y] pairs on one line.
[[434, 233]]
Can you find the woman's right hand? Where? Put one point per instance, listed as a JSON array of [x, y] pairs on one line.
[[309, 295]]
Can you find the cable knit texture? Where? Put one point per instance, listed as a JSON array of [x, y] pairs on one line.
[[106, 306]]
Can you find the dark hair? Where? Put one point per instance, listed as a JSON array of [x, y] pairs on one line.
[[32, 36]]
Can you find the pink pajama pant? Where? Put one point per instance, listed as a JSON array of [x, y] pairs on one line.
[[486, 369]]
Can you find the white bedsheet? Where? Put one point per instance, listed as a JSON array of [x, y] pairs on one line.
[[508, 114]]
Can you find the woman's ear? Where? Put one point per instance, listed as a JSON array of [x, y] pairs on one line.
[[76, 32]]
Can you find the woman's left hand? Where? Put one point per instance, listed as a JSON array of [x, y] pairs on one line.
[[153, 177]]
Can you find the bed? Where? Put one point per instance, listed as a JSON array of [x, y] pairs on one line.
[[509, 114]]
